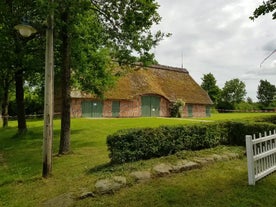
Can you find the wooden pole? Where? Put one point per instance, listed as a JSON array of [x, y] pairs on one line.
[[48, 95], [250, 160]]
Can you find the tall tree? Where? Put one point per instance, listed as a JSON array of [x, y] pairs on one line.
[[18, 59], [233, 91], [209, 84], [266, 92], [125, 26], [6, 77]]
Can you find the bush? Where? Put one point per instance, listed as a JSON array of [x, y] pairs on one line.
[[177, 108], [136, 144], [233, 133]]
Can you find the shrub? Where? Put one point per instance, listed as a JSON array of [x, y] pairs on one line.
[[270, 119], [136, 144], [177, 108], [233, 133]]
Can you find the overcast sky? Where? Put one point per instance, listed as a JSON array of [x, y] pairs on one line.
[[218, 37]]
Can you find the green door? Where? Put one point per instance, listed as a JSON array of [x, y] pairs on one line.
[[155, 106], [146, 106], [190, 110], [208, 111], [97, 109], [115, 108], [150, 106], [92, 109], [86, 107]]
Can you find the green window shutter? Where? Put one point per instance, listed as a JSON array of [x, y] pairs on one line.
[[208, 111], [115, 108], [190, 110]]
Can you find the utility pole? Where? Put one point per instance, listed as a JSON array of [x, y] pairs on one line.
[[48, 94]]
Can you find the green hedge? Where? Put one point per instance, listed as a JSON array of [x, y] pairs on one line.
[[139, 144], [136, 144], [234, 132]]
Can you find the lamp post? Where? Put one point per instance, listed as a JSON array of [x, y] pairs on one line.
[[48, 95], [26, 31]]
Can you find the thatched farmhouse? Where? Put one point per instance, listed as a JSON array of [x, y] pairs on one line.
[[145, 92]]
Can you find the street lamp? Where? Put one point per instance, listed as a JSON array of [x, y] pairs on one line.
[[26, 31]]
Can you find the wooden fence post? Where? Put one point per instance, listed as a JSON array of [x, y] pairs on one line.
[[250, 160]]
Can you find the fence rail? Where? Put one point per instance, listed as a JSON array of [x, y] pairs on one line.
[[261, 156]]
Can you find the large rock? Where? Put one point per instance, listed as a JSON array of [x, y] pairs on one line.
[[162, 169], [184, 165], [141, 175], [217, 157], [110, 185], [120, 179]]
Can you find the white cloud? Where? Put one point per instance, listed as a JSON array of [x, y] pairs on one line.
[[218, 37]]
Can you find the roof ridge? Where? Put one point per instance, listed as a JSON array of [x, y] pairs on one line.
[[165, 67]]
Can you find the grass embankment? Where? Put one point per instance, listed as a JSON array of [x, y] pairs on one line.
[[21, 183]]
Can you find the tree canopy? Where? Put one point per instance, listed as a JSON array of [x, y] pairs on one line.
[[266, 92], [267, 7], [233, 91], [209, 84], [96, 35]]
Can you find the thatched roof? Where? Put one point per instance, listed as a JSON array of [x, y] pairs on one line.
[[169, 82]]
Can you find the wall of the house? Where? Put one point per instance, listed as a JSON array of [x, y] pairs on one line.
[[76, 107], [128, 108], [198, 110], [165, 108], [132, 108]]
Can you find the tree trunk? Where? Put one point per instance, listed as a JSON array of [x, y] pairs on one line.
[[64, 146], [5, 104], [21, 119]]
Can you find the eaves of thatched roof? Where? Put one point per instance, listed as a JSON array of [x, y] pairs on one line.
[[169, 82]]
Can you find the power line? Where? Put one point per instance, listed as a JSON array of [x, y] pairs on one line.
[[267, 57]]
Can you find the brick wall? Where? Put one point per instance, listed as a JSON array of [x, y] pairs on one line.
[[198, 110], [132, 108], [165, 108], [107, 108]]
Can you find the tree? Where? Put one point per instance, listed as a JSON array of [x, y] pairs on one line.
[[121, 28], [233, 91], [18, 54], [6, 77], [266, 92], [209, 85], [265, 8]]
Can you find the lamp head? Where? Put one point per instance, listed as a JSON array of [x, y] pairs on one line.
[[25, 30]]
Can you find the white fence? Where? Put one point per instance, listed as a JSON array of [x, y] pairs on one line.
[[261, 156]]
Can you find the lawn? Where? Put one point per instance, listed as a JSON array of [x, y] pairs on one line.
[[222, 184]]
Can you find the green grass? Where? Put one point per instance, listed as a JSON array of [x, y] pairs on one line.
[[21, 162]]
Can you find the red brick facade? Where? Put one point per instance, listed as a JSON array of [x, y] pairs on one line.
[[133, 108]]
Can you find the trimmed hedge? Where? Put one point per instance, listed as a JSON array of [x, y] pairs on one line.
[[234, 132], [139, 144]]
